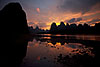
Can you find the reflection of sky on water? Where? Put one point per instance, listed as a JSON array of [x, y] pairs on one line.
[[45, 53], [80, 37]]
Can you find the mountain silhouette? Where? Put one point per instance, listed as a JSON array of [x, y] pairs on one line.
[[74, 29], [53, 27], [61, 26]]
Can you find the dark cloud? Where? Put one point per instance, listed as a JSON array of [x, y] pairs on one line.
[[71, 20], [43, 24], [30, 23], [74, 20], [78, 19], [82, 6]]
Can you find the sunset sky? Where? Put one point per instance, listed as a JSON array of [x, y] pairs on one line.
[[43, 12]]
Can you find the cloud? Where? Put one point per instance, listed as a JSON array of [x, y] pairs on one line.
[[74, 20], [76, 6], [30, 23], [43, 25], [94, 21], [71, 20], [78, 19], [38, 10]]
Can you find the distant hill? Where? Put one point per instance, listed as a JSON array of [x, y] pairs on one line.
[[74, 29]]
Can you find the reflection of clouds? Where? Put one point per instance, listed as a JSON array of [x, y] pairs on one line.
[[33, 43], [38, 49], [74, 45], [38, 58], [67, 48], [78, 37], [88, 37], [72, 48]]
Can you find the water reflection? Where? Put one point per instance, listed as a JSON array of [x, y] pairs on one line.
[[13, 52], [79, 37], [60, 51]]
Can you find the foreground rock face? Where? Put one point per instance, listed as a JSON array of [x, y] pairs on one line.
[[13, 19], [13, 26]]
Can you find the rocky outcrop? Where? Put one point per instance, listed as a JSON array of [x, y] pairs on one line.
[[13, 27], [13, 19], [61, 26], [53, 27]]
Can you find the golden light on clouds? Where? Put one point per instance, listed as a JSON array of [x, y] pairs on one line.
[[49, 19], [44, 13], [46, 18]]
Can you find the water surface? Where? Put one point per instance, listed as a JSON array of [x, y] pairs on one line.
[[48, 50]]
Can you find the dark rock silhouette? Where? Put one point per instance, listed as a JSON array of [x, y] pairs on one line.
[[61, 26], [80, 28], [53, 27], [13, 31], [97, 28], [67, 25], [13, 18]]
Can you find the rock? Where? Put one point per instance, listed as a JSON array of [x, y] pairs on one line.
[[61, 26], [53, 27], [13, 20]]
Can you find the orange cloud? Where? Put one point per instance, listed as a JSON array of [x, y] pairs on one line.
[[38, 10]]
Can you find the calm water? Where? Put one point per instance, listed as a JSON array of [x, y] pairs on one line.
[[48, 50]]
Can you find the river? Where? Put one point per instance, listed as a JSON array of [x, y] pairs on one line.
[[47, 50]]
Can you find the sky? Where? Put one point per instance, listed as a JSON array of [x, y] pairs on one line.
[[43, 13]]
